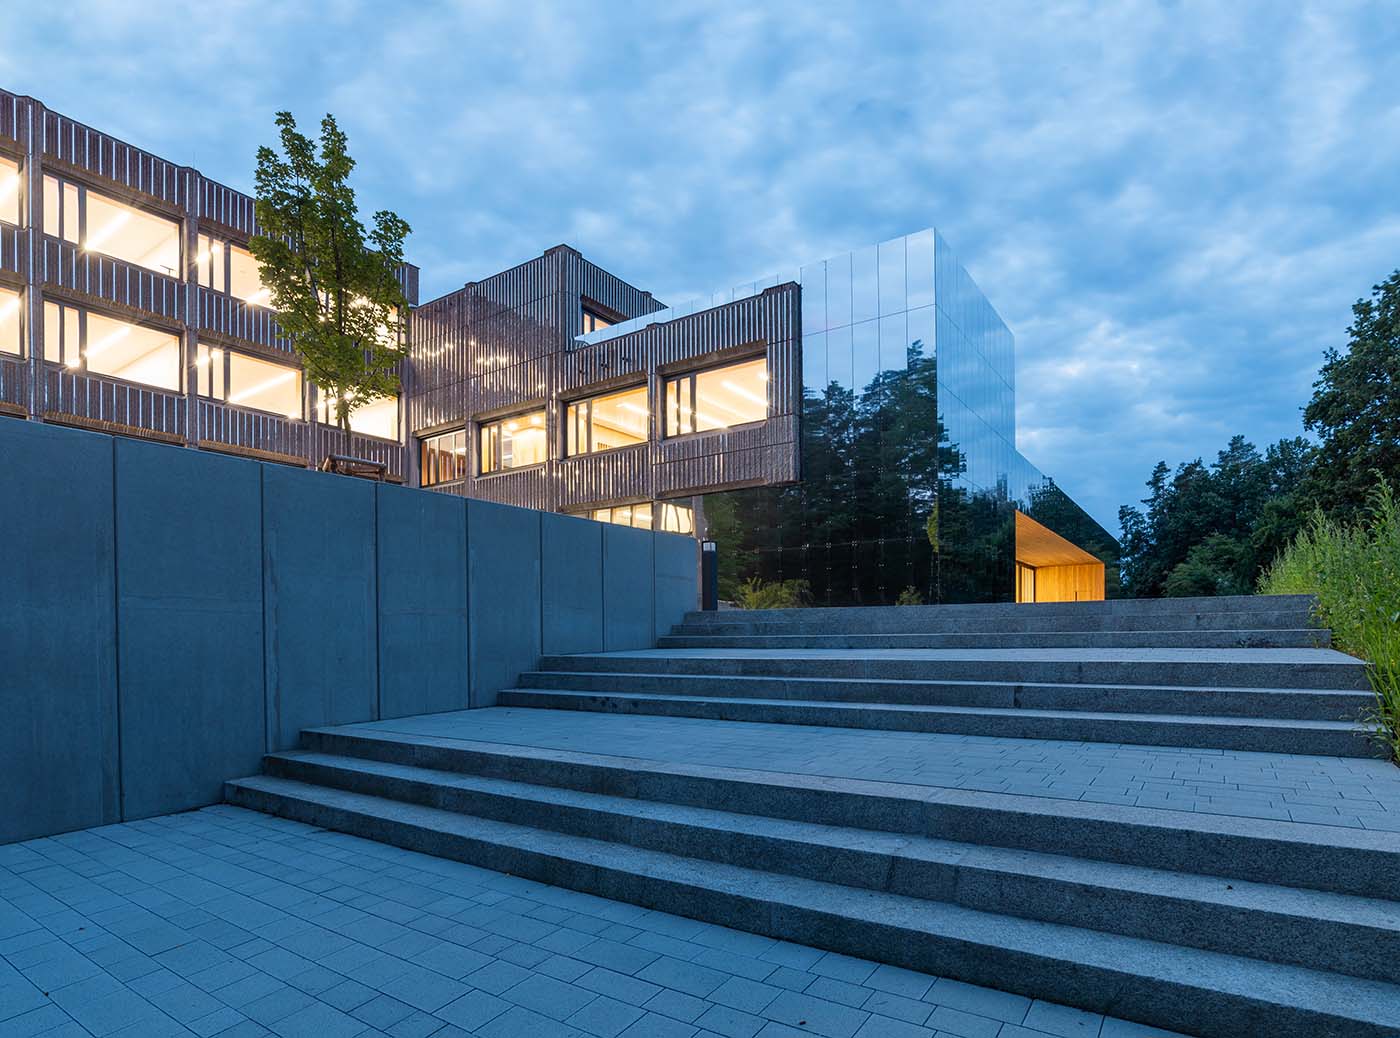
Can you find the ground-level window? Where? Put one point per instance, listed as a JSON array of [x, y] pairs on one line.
[[611, 420], [9, 191], [237, 378], [232, 269], [377, 417], [677, 518], [96, 223], [717, 398], [444, 458], [593, 320], [639, 515], [83, 340], [10, 341], [513, 442]]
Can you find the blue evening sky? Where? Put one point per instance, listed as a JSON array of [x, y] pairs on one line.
[[1173, 205]]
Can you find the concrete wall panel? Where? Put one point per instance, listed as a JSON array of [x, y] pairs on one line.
[[676, 581], [423, 597], [571, 584], [627, 588], [58, 684], [503, 552], [319, 601], [189, 624]]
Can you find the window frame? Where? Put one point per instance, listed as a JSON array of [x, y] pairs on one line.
[[690, 378], [21, 320], [222, 248], [80, 325], [222, 382], [423, 448], [21, 208], [80, 213], [485, 426], [569, 405], [601, 316]]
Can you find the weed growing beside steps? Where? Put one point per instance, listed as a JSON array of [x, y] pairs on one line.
[[1355, 573]]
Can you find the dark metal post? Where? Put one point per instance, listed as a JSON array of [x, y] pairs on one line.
[[709, 576]]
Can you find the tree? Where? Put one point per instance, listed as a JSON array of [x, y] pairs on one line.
[[334, 286], [1355, 408]]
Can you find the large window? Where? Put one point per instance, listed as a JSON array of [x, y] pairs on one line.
[[514, 442], [638, 516], [9, 190], [85, 341], [10, 341], [677, 518], [97, 223], [601, 423], [673, 518], [444, 458], [593, 320], [377, 417], [237, 378], [229, 268], [717, 398]]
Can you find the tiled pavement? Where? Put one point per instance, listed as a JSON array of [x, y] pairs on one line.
[[226, 922], [1345, 791]]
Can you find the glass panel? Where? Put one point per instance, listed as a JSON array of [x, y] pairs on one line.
[[594, 321], [731, 395], [244, 281], [9, 190], [677, 518], [444, 458], [267, 386], [376, 418], [53, 333], [604, 422], [865, 285], [9, 321], [131, 352], [70, 213], [131, 234], [53, 198], [514, 442]]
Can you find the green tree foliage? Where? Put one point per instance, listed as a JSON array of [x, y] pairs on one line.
[[1208, 530], [333, 284], [1355, 408]]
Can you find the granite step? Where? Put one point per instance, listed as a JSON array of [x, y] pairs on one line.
[[1206, 992], [1319, 930], [1259, 735], [1307, 637], [1304, 704]]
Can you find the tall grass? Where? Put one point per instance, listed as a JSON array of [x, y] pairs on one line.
[[1355, 573]]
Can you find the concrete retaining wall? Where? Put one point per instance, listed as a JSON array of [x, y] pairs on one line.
[[169, 615]]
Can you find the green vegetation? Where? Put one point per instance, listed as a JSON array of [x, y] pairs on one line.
[[1213, 530], [1354, 570], [909, 596], [334, 286], [778, 594]]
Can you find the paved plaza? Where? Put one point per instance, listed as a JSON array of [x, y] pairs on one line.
[[231, 923]]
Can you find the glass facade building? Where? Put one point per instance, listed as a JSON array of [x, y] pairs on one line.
[[911, 484]]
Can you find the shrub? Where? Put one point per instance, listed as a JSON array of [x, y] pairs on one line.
[[909, 596], [1355, 573], [778, 594]]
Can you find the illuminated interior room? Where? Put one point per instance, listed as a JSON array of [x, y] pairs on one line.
[[1050, 568]]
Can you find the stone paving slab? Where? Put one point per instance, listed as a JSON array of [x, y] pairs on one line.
[[229, 923], [1357, 793]]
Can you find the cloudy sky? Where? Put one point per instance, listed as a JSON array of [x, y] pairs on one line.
[[1173, 205]]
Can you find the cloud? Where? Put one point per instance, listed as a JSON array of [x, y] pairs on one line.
[[1173, 205]]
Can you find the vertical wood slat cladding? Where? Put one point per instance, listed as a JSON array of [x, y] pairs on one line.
[[106, 278], [609, 476], [226, 315], [63, 138], [14, 380], [111, 400], [241, 427], [14, 115], [14, 249]]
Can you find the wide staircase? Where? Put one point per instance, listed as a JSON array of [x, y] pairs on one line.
[[1160, 810]]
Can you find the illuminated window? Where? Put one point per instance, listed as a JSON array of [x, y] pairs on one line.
[[236, 378], [9, 190], [514, 442], [82, 340], [677, 518], [638, 516], [444, 458], [593, 320], [231, 269], [97, 223], [10, 341], [601, 423], [378, 417], [717, 398]]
